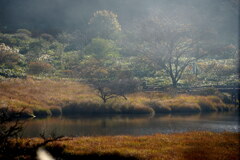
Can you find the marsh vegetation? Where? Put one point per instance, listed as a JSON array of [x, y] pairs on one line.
[[45, 97], [79, 58]]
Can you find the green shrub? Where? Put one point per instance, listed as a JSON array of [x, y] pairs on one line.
[[12, 73]]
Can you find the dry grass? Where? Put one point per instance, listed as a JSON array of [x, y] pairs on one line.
[[42, 95], [162, 103], [179, 146], [48, 97]]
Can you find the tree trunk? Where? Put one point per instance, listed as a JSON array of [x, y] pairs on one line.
[[174, 82], [104, 99]]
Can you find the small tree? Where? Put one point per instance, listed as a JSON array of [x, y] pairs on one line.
[[104, 90], [115, 83], [109, 81], [124, 86], [104, 24], [115, 88]]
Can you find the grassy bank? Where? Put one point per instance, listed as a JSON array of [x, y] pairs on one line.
[[179, 146], [55, 97]]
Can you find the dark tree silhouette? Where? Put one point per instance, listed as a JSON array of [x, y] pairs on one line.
[[10, 126]]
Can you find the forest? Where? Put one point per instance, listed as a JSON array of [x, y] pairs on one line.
[[129, 57], [149, 45]]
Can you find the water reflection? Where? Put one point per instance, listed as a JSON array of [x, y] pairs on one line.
[[132, 124]]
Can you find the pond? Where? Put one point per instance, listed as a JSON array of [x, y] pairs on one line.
[[132, 124]]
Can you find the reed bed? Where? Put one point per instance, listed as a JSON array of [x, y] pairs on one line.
[[178, 146], [45, 97]]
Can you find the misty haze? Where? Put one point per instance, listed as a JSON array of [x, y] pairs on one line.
[[127, 79]]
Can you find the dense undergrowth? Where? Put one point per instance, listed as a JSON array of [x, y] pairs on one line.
[[178, 146], [45, 97]]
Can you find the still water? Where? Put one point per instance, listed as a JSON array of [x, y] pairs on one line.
[[132, 124]]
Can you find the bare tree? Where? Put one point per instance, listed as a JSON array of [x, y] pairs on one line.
[[170, 46], [108, 89], [104, 90]]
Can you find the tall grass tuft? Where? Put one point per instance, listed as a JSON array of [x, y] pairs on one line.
[[91, 107], [159, 107], [56, 111], [185, 107]]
